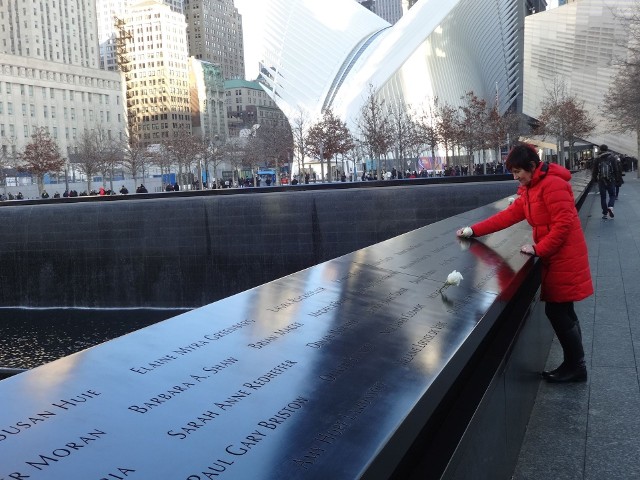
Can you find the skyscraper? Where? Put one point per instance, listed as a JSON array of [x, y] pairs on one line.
[[208, 111], [108, 11], [390, 10], [215, 34], [64, 31], [49, 76], [157, 72]]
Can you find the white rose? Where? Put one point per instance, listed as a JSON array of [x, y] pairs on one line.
[[454, 278]]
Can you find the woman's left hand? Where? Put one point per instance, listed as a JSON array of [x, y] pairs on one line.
[[528, 249]]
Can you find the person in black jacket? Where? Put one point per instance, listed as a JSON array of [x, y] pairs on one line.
[[606, 182]]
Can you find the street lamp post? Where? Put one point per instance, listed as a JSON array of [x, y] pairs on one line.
[[66, 175], [321, 147]]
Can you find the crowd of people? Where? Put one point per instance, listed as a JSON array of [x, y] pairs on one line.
[[625, 163]]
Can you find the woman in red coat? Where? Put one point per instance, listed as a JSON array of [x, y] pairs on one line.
[[546, 201]]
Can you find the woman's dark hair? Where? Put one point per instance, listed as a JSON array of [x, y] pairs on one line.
[[521, 156]]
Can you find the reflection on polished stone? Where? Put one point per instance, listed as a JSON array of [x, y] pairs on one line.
[[30, 338], [320, 374]]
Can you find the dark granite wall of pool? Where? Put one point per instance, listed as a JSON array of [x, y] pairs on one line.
[[171, 251]]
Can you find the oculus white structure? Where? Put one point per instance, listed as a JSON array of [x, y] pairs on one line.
[[325, 54]]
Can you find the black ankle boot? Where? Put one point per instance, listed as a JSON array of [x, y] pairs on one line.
[[568, 373], [545, 373]]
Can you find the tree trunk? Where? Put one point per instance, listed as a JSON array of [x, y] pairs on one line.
[[40, 183]]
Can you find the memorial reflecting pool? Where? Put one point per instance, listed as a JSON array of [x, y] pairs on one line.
[[33, 337]]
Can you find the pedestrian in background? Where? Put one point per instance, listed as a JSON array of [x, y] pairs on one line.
[[607, 175], [545, 200]]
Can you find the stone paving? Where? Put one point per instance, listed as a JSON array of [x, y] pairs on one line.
[[592, 431]]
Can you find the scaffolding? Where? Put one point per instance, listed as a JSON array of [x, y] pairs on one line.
[[122, 40]]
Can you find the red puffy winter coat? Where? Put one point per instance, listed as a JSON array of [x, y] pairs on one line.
[[548, 205]]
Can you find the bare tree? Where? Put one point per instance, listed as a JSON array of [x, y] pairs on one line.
[[497, 130], [234, 153], [134, 158], [427, 128], [217, 154], [405, 137], [88, 158], [564, 117], [447, 126], [277, 145], [254, 150], [375, 128], [183, 151], [329, 137], [299, 128], [41, 156], [210, 154], [622, 102], [111, 154], [473, 125]]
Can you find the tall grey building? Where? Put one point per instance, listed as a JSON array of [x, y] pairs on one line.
[[64, 31], [215, 34], [214, 31], [49, 76], [108, 13], [390, 10], [157, 73]]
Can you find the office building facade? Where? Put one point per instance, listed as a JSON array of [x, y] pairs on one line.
[[49, 77], [108, 13], [208, 101], [62, 31], [215, 35], [157, 73], [248, 104]]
